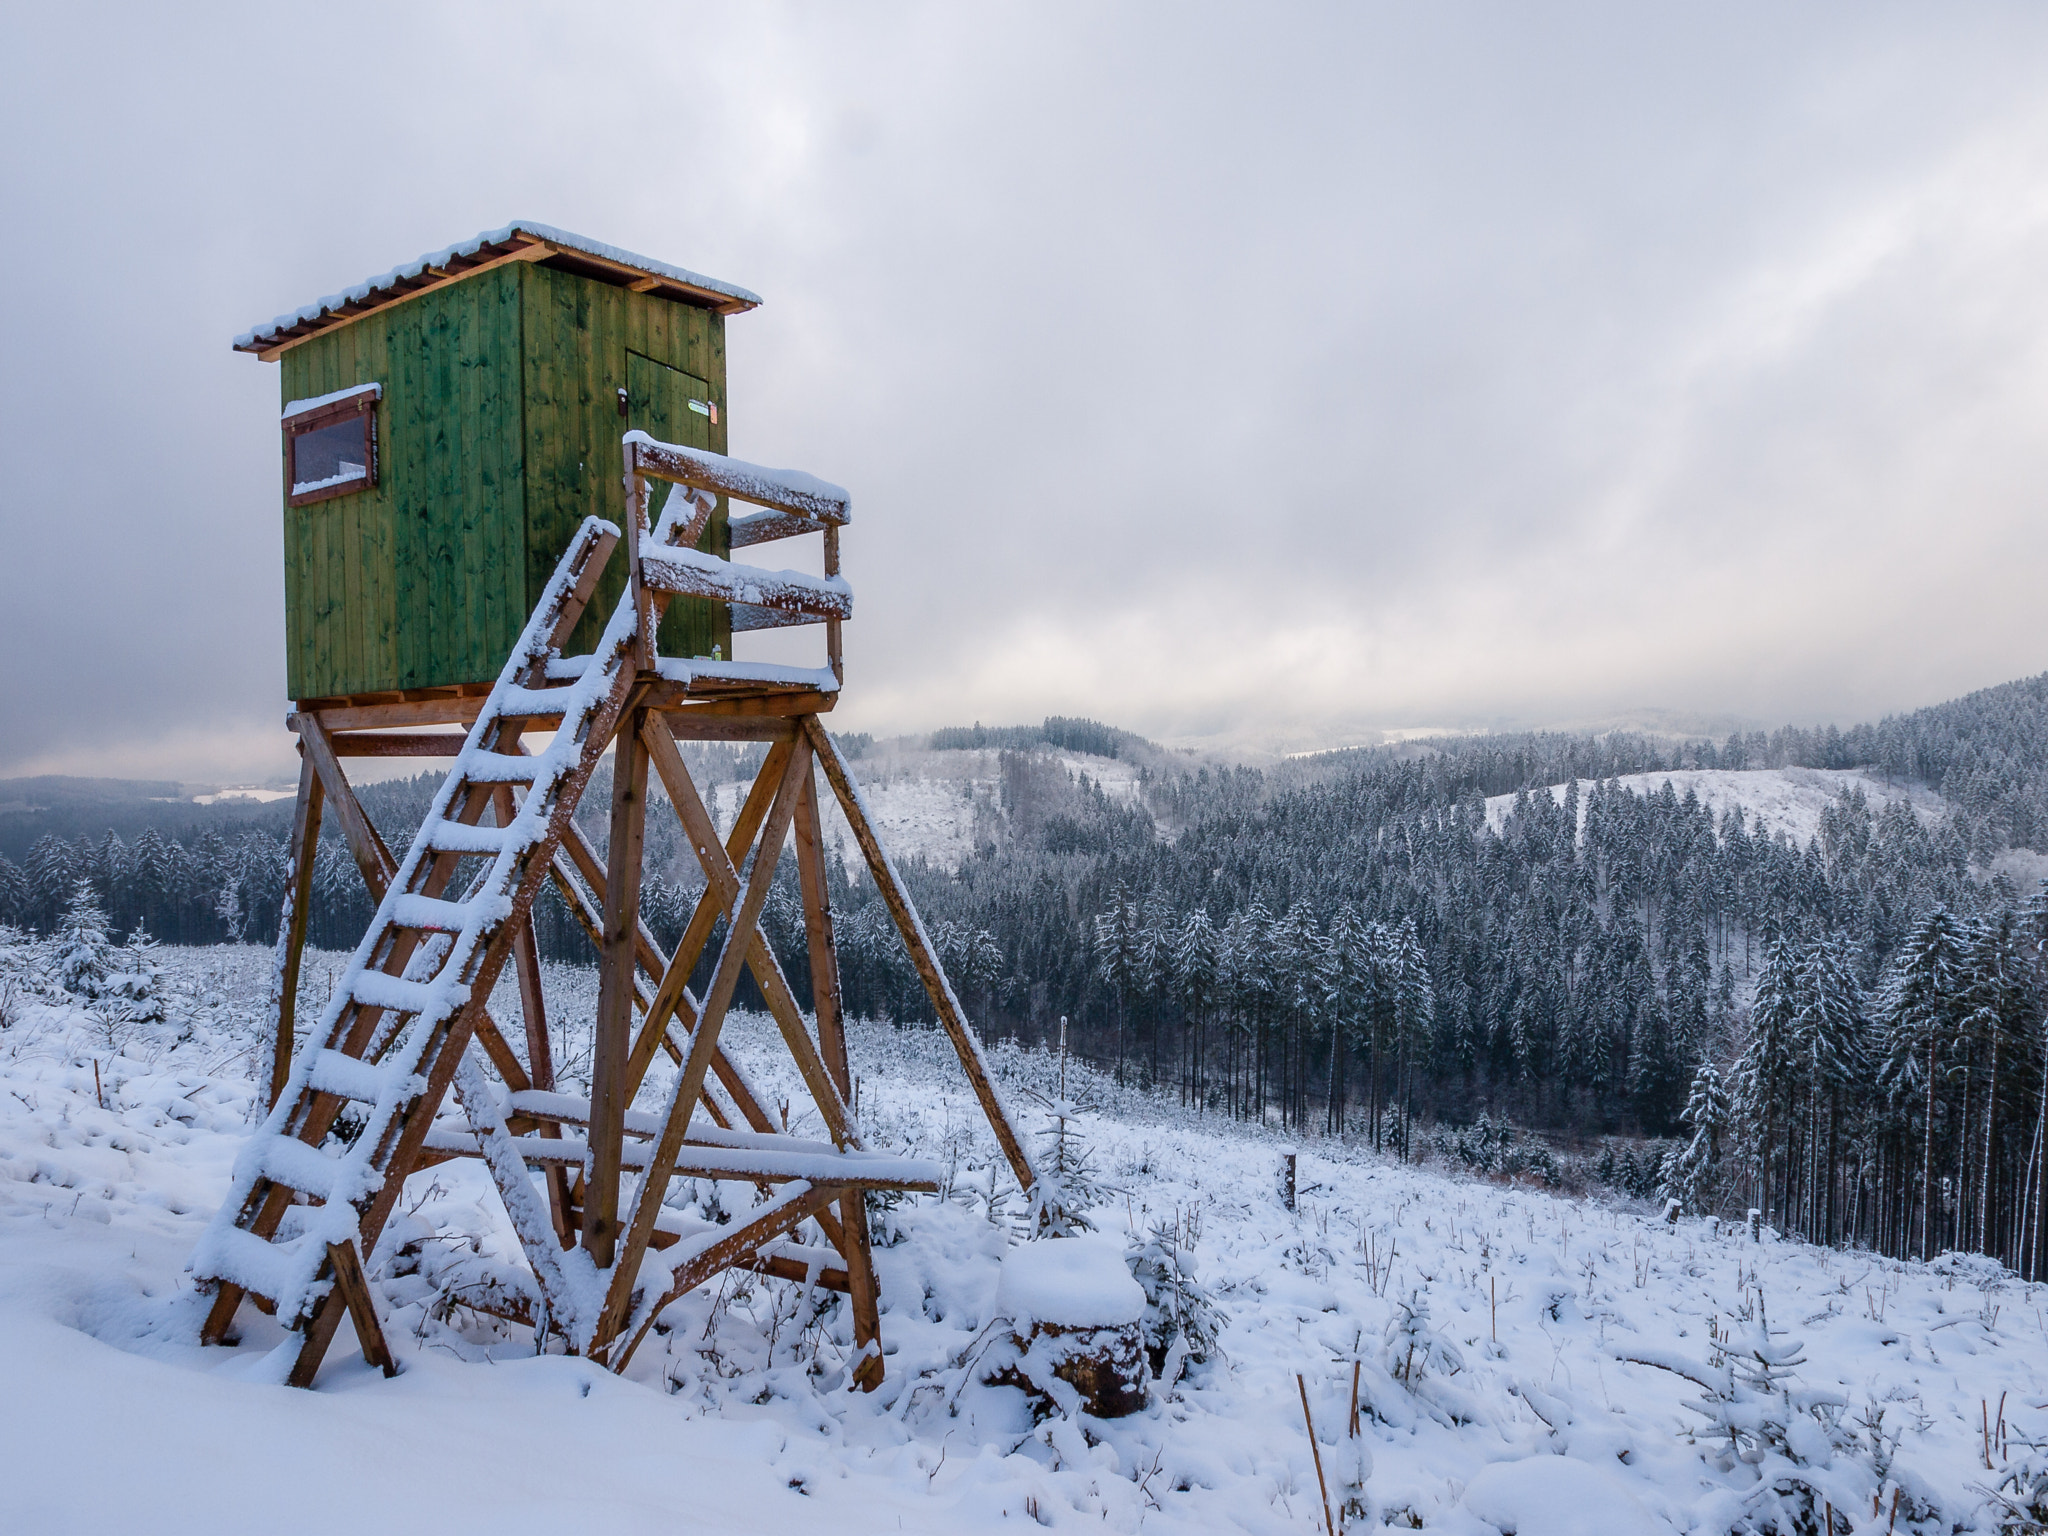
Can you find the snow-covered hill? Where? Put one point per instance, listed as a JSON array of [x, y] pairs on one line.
[[1525, 1363], [938, 806], [1787, 800]]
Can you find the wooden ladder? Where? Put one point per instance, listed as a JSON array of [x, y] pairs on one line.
[[394, 1036]]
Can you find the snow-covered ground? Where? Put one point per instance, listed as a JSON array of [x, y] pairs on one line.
[[1788, 800], [1549, 1347]]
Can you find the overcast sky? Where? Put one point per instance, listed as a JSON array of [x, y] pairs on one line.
[[1258, 375]]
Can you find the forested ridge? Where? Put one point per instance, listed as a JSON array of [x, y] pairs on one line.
[[1845, 1035]]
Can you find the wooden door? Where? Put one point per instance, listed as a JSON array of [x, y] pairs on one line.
[[676, 407]]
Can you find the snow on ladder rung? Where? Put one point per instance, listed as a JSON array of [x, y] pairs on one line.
[[429, 914], [350, 1077], [377, 989], [515, 701], [242, 1258], [457, 837], [289, 1161], [500, 768]]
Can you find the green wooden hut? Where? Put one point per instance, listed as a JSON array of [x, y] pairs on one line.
[[447, 425]]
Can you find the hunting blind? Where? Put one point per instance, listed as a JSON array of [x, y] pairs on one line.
[[455, 589], [447, 426]]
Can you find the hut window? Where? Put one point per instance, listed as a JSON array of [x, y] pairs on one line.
[[330, 444]]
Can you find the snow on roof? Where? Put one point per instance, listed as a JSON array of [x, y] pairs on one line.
[[522, 240]]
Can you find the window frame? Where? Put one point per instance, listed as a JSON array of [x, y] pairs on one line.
[[359, 401]]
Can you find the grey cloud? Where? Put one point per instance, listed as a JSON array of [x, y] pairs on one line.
[[1221, 372]]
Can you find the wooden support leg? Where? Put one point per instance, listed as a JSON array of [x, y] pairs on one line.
[[291, 932], [354, 1287], [891, 889], [364, 844], [861, 1286], [810, 864], [609, 1089]]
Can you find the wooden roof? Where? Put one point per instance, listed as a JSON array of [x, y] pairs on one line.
[[522, 241]]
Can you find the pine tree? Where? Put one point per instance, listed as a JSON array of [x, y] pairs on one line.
[[1769, 1062], [1692, 1173], [83, 951], [1923, 1015], [1196, 972], [1347, 979], [17, 899], [52, 877], [134, 981]]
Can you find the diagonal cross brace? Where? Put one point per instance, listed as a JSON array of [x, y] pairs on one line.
[[638, 1222], [723, 878]]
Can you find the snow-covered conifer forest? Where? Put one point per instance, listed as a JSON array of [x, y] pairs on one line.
[[1669, 1121]]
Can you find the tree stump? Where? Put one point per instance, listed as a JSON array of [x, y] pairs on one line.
[[1075, 1316]]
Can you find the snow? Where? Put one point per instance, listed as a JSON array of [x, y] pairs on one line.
[[300, 407], [349, 474], [470, 247], [1557, 1496], [1787, 800], [1561, 1344], [1069, 1282], [260, 796], [686, 669], [749, 584], [793, 490]]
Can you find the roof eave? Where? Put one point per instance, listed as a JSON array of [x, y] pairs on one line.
[[516, 242]]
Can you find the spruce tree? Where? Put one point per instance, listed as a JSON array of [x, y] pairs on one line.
[[82, 949]]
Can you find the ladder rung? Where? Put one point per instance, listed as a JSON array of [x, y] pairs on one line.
[[289, 1161], [516, 702], [500, 768], [376, 989], [456, 837], [429, 914], [691, 573], [271, 1269], [349, 1077]]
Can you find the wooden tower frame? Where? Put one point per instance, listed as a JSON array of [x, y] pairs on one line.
[[305, 1210]]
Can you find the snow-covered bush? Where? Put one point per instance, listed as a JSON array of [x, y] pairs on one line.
[[1068, 1182], [2018, 1501], [134, 983], [1413, 1347], [1795, 1440], [1182, 1322]]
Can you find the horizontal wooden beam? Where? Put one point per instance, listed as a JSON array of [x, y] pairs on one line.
[[686, 573], [677, 700], [783, 490], [766, 527], [410, 712], [746, 616], [394, 744], [692, 724]]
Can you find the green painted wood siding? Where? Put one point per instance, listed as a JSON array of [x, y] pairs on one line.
[[418, 582], [497, 433], [580, 336]]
